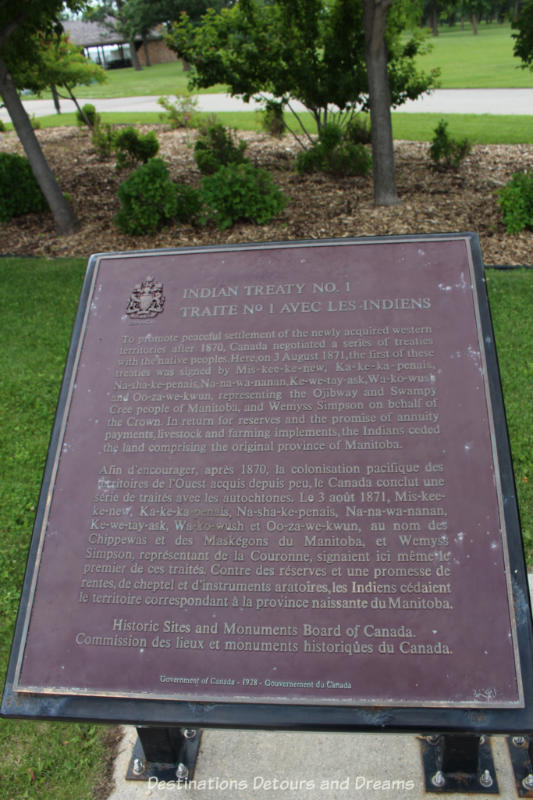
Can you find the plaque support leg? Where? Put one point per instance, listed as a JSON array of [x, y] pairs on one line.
[[521, 752], [168, 754], [458, 762]]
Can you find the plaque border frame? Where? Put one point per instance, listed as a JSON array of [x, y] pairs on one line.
[[284, 714]]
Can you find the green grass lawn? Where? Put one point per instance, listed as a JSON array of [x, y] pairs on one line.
[[511, 301], [43, 760], [479, 128], [476, 62], [159, 79]]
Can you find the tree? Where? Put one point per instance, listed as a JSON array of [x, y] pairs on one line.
[[281, 49], [59, 63], [523, 47], [309, 50], [453, 11], [133, 18], [113, 14], [139, 17], [19, 24], [431, 13]]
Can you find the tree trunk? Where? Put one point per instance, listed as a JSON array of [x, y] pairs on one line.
[[434, 19], [64, 217], [135, 56], [474, 23], [375, 18], [55, 97], [80, 110], [146, 53]]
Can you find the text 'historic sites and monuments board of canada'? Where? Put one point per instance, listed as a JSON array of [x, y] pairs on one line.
[[276, 481]]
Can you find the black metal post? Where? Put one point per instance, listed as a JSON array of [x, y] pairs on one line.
[[521, 752], [459, 762], [168, 754]]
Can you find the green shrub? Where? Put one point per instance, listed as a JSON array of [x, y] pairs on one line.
[[217, 147], [103, 138], [332, 153], [19, 191], [330, 136], [240, 191], [357, 130], [310, 160], [148, 199], [133, 147], [446, 152], [349, 159], [87, 116], [516, 202], [181, 113], [2, 127], [272, 119], [189, 203]]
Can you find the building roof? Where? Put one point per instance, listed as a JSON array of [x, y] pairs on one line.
[[92, 34]]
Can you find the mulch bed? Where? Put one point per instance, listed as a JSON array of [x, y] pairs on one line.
[[320, 206]]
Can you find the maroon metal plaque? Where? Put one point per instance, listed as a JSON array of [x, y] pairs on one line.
[[277, 481]]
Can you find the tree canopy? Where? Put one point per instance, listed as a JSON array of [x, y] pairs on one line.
[[57, 62], [19, 21], [309, 50], [523, 47]]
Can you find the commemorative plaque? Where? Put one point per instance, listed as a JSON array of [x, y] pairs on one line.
[[279, 476]]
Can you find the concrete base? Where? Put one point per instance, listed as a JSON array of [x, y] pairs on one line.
[[248, 765]]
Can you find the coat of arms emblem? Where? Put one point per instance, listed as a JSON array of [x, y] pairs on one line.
[[146, 300]]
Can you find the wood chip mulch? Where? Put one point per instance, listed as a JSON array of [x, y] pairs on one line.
[[320, 206]]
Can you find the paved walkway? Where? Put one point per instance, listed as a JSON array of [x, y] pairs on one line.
[[441, 101]]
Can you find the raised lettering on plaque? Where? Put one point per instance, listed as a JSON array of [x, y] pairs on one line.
[[276, 481]]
